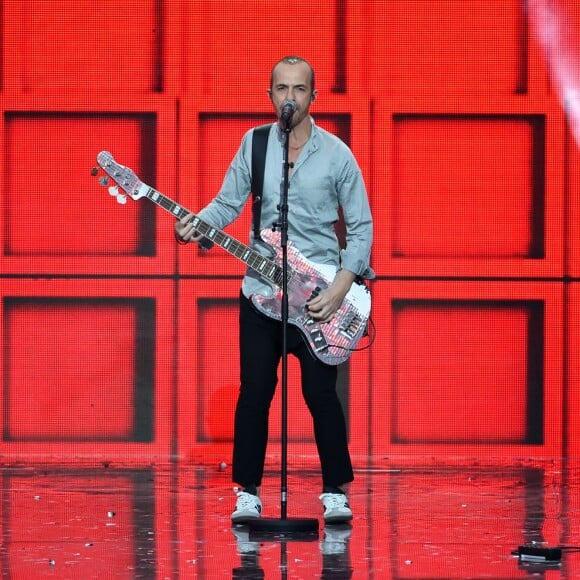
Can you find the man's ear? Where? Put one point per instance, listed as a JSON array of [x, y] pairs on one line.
[[269, 91], [313, 95]]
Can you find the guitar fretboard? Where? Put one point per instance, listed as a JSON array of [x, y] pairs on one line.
[[264, 266]]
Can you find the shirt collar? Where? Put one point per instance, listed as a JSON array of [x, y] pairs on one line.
[[312, 142]]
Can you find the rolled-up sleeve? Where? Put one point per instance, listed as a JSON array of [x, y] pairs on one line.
[[233, 194], [358, 221]]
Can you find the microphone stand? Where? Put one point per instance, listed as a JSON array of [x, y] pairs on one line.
[[284, 526]]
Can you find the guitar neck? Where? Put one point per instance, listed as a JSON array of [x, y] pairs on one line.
[[265, 267]]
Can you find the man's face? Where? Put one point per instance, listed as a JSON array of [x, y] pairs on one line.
[[293, 82]]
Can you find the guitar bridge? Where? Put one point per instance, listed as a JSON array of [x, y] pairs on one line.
[[350, 325]]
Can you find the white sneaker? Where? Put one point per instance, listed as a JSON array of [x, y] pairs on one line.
[[248, 507], [336, 508]]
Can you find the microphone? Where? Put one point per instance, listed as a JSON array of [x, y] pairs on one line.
[[288, 109]]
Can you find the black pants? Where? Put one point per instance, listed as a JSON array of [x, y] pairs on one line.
[[260, 355]]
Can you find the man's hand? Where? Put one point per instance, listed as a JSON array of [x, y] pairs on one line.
[[324, 306], [185, 231]]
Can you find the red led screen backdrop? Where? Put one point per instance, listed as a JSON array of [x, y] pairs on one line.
[[116, 342]]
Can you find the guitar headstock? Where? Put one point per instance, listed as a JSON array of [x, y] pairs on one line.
[[121, 175]]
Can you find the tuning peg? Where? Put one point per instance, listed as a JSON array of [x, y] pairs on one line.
[[95, 171], [120, 197], [104, 180]]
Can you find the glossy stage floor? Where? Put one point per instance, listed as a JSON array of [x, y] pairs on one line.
[[414, 522]]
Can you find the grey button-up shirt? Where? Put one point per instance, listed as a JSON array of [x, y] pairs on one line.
[[325, 176]]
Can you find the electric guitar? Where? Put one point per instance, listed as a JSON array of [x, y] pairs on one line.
[[331, 342]]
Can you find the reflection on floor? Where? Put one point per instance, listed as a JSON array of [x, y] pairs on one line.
[[461, 521]]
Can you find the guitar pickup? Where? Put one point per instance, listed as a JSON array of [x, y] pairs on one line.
[[318, 339]]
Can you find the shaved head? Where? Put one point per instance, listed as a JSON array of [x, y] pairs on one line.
[[293, 60]]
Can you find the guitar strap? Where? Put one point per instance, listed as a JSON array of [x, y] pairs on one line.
[[259, 146]]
